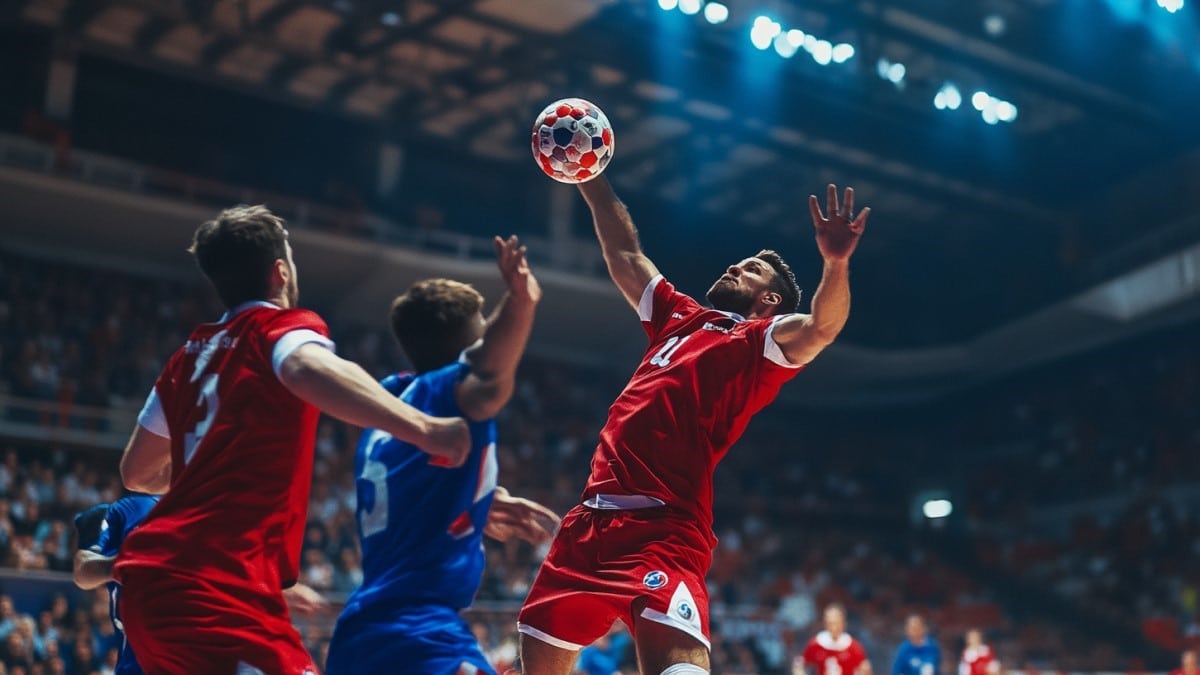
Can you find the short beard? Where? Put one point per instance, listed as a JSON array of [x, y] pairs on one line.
[[729, 299]]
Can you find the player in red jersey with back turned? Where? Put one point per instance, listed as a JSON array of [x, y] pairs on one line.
[[640, 545], [227, 432]]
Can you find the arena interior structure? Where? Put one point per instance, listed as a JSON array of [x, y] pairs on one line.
[[1004, 437]]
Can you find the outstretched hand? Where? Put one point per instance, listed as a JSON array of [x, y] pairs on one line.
[[837, 234], [515, 517], [514, 267]]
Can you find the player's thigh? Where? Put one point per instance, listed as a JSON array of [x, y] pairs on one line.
[[542, 658], [660, 646]]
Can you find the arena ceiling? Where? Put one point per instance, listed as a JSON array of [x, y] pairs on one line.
[[975, 224]]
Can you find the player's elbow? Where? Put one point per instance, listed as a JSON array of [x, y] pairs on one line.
[[84, 573], [140, 477]]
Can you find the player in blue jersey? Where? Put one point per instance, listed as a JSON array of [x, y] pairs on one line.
[[421, 525], [919, 654], [101, 529]]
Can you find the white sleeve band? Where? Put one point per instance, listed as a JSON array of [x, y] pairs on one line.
[[151, 418], [646, 305], [772, 351], [293, 340]]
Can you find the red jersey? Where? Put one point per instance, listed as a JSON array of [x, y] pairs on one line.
[[241, 455], [978, 661], [704, 375], [842, 656]]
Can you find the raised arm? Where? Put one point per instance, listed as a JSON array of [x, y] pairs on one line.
[[490, 384], [802, 336], [629, 268], [344, 390], [146, 462]]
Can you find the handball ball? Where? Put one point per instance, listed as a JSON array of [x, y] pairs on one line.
[[572, 140]]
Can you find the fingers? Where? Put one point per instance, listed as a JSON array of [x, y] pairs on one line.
[[831, 202], [860, 223], [848, 202], [814, 209]]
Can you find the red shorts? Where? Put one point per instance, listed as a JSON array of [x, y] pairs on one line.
[[602, 561], [177, 625]]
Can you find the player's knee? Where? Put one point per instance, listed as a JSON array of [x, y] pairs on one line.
[[684, 669]]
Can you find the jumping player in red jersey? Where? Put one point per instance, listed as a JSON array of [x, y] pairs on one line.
[[1187, 664], [640, 545], [977, 658], [833, 651], [227, 433]]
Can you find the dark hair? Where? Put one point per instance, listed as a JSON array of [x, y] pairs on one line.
[[429, 320], [784, 282], [236, 251]]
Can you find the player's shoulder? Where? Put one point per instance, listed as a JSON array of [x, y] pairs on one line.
[[444, 380], [290, 318]]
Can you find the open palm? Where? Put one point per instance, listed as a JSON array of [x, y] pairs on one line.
[[837, 234]]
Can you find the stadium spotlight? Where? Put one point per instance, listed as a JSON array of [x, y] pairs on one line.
[[896, 72], [668, 5], [937, 508], [764, 31], [881, 67], [951, 96], [784, 46], [1171, 6], [980, 100], [994, 25], [939, 100], [716, 13], [822, 52], [689, 7], [842, 52], [989, 115], [1005, 111], [795, 37]]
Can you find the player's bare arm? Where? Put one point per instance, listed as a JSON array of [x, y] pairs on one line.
[[494, 361], [146, 462], [803, 336], [305, 600], [344, 390], [92, 570], [629, 268], [521, 518]]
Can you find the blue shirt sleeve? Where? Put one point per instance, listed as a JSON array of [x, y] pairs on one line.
[[112, 531]]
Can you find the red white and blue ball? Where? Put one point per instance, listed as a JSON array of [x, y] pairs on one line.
[[572, 140]]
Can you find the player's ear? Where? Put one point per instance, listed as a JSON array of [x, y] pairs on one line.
[[771, 298], [281, 274]]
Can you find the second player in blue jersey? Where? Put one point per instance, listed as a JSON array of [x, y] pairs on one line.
[[422, 524]]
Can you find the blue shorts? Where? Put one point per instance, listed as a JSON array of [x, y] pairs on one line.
[[426, 640]]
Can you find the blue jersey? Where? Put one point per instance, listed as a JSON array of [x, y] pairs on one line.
[[913, 660], [421, 525], [124, 515]]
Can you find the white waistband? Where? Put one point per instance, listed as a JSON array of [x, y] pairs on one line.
[[623, 502]]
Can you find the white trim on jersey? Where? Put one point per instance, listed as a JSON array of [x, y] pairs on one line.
[[646, 305], [293, 340], [245, 306], [771, 348], [681, 605], [547, 638], [151, 418], [825, 639], [623, 502]]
